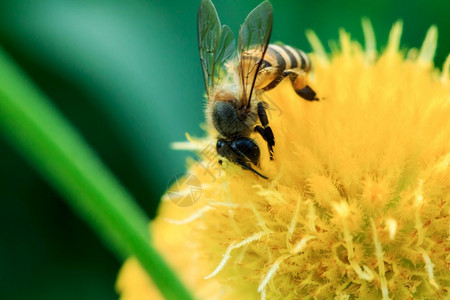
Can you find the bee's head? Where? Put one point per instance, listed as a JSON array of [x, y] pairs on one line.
[[242, 149], [224, 149]]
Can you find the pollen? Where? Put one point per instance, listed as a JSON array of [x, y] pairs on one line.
[[357, 204]]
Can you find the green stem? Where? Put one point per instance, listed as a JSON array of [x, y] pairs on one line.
[[54, 147]]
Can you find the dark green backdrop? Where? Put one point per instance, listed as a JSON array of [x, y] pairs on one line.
[[128, 76]]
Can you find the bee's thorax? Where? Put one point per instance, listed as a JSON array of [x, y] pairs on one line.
[[232, 122], [242, 113], [226, 96]]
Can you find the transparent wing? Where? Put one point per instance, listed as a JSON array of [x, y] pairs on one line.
[[254, 37], [208, 27], [215, 43], [224, 52]]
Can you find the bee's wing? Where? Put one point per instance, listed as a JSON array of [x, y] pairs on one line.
[[254, 37], [215, 43], [224, 51]]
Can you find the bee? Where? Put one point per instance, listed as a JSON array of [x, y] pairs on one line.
[[234, 89]]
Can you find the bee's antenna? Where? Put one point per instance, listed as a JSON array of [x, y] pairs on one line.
[[250, 169]]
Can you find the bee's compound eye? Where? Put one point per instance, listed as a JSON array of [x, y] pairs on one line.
[[220, 144], [249, 149], [224, 149]]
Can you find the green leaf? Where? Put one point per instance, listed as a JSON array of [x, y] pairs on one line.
[[48, 141]]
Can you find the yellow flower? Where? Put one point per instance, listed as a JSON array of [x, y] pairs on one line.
[[358, 201]]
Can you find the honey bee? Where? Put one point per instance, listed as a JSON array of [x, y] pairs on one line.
[[235, 80]]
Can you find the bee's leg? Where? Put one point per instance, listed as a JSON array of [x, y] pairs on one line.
[[274, 82], [265, 77], [265, 131], [248, 167], [298, 79], [262, 132]]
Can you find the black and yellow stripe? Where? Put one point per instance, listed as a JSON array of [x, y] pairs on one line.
[[285, 57], [279, 61]]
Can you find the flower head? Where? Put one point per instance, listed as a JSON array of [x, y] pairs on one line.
[[358, 201]]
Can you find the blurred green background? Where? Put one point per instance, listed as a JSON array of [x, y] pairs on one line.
[[127, 75]]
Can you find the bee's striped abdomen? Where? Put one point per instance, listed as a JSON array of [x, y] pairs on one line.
[[279, 62], [286, 57]]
